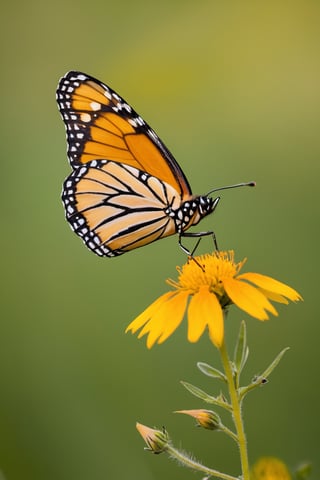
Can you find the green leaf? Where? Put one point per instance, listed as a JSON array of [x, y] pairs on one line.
[[211, 371], [241, 351], [197, 392], [262, 378], [273, 365]]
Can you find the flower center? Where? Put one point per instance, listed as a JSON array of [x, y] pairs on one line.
[[207, 270]]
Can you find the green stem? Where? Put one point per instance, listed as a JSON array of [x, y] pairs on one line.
[[189, 462], [236, 407], [231, 434]]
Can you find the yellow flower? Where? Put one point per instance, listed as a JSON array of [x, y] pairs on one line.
[[269, 468], [206, 286]]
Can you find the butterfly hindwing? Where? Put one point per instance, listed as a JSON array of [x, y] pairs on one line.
[[116, 208]]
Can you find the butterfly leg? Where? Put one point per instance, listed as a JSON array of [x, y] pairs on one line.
[[198, 235], [196, 246]]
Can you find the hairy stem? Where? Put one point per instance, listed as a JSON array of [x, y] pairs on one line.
[[191, 463]]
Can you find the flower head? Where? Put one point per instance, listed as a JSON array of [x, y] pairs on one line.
[[207, 285], [270, 468]]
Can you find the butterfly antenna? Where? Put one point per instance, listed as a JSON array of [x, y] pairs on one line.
[[247, 184]]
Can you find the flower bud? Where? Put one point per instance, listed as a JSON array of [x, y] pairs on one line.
[[205, 418], [156, 440]]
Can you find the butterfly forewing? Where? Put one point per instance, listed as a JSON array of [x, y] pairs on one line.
[[101, 125]]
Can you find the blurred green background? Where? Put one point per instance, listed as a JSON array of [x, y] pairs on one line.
[[233, 90]]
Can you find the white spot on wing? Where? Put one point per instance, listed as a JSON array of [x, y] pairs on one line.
[[108, 94], [132, 122], [95, 106], [85, 117]]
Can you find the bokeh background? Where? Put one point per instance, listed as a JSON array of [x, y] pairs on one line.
[[233, 90]]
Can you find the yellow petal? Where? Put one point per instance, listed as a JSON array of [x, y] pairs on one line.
[[269, 283], [176, 315], [165, 319], [248, 298], [275, 297], [204, 309], [197, 320], [141, 319]]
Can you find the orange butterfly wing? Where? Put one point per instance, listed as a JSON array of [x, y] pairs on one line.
[[101, 125], [115, 208]]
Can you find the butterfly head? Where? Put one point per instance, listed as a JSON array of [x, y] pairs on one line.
[[192, 211], [207, 205]]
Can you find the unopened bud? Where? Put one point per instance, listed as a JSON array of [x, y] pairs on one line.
[[156, 440], [205, 418]]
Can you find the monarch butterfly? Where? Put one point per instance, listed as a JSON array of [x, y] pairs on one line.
[[126, 189]]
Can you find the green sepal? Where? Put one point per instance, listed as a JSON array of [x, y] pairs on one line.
[[262, 378], [197, 392], [211, 371]]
